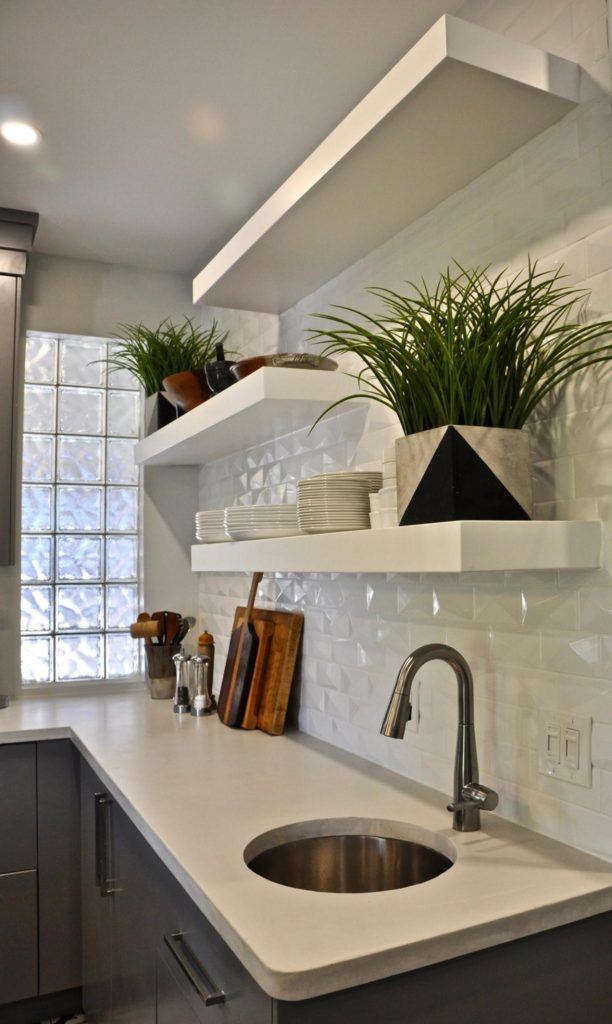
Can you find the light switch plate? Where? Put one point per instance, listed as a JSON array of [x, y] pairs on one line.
[[564, 747]]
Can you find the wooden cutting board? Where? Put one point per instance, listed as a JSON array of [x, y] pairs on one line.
[[274, 669]]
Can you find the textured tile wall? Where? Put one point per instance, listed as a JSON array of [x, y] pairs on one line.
[[534, 640]]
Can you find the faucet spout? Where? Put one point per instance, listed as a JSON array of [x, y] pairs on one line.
[[468, 796]]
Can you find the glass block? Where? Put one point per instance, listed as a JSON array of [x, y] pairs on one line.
[[123, 413], [36, 558], [36, 609], [79, 509], [36, 662], [121, 558], [79, 607], [38, 457], [79, 657], [39, 409], [80, 459], [81, 411], [120, 465], [121, 605], [120, 378], [121, 509], [78, 361], [79, 558], [40, 359], [36, 507], [122, 657]]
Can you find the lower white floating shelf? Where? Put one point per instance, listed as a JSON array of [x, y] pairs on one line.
[[461, 546]]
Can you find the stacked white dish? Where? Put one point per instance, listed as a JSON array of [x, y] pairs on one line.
[[210, 526], [383, 505], [254, 522], [334, 502]]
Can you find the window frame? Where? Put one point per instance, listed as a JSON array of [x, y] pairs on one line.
[[83, 684]]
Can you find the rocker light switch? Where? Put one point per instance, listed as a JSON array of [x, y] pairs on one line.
[[553, 744], [564, 747], [571, 748]]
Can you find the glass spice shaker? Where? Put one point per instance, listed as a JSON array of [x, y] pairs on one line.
[[182, 700], [203, 702]]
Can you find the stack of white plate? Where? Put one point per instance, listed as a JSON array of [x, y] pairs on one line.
[[210, 526], [252, 522], [336, 501]]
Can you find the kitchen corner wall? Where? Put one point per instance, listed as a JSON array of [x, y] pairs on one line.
[[534, 640]]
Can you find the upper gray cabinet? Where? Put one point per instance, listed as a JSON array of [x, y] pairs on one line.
[[17, 230]]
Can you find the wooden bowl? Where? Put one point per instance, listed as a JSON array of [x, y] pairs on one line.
[[187, 390], [287, 360]]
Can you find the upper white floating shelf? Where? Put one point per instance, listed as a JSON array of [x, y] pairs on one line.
[[458, 102], [269, 403], [462, 546]]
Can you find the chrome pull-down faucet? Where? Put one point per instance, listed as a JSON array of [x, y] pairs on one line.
[[469, 797]]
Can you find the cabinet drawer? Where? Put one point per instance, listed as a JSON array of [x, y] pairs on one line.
[[178, 1000], [18, 937], [244, 1002], [18, 807]]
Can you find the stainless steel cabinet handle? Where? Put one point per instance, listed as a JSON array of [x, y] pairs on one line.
[[194, 970], [103, 803]]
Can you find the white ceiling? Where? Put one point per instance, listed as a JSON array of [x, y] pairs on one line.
[[167, 122]]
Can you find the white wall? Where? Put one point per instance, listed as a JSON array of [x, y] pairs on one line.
[[533, 640], [90, 298]]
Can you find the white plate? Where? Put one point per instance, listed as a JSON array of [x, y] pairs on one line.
[[334, 529], [346, 475], [261, 533]]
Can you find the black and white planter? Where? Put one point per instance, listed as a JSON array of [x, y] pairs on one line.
[[463, 472], [158, 412]]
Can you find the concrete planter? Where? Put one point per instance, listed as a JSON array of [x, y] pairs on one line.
[[459, 472]]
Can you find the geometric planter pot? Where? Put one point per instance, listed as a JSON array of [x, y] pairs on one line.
[[463, 472], [158, 412]]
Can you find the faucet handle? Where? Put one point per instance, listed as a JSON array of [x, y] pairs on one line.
[[475, 795]]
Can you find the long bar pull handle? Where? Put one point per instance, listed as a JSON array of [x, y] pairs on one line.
[[99, 827], [103, 805], [193, 970]]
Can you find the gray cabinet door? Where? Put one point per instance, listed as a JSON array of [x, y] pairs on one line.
[[18, 937], [17, 807], [96, 918], [59, 866], [134, 916]]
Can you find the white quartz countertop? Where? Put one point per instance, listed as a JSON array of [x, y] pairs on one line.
[[200, 792]]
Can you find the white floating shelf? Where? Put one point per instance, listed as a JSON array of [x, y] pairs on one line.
[[457, 103], [269, 403], [465, 546]]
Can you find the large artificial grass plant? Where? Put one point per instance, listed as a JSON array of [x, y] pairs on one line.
[[153, 353], [474, 349]]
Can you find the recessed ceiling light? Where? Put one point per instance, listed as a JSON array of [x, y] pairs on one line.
[[19, 133]]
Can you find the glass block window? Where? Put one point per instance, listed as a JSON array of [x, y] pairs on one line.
[[80, 545]]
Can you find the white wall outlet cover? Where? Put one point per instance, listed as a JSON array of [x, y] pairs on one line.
[[564, 747]]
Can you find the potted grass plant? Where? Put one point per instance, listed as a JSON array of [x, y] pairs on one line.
[[171, 356], [463, 365]]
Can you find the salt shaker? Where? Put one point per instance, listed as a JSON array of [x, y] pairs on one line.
[[203, 702], [182, 702]]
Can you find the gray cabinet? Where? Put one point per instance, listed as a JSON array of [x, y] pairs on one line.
[[96, 920], [18, 936], [59, 845], [18, 807]]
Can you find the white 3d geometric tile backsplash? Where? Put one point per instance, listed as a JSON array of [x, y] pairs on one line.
[[533, 640]]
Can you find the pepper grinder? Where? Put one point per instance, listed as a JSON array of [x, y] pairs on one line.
[[182, 702], [203, 702]]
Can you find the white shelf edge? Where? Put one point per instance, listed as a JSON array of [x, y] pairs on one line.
[[461, 546], [449, 39], [269, 403]]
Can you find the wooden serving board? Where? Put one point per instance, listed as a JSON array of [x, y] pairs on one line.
[[274, 668]]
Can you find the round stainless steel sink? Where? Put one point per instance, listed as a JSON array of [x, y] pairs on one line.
[[350, 855]]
